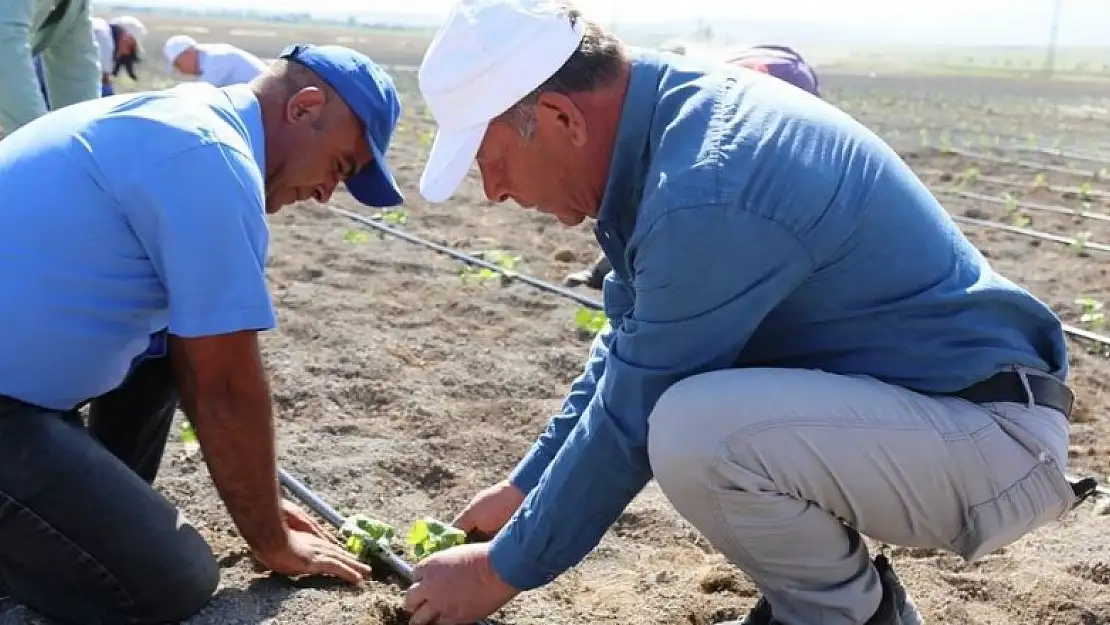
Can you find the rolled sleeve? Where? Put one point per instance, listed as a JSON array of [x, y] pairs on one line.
[[706, 276], [207, 237]]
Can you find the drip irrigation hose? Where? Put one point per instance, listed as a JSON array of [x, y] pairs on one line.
[[331, 515], [589, 303]]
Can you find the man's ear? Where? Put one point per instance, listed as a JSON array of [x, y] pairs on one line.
[[305, 106], [560, 114]]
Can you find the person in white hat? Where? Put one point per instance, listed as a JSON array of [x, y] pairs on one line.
[[61, 32], [802, 347], [120, 41], [219, 64]]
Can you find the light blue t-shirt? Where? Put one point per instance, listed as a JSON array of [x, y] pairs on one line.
[[121, 218]]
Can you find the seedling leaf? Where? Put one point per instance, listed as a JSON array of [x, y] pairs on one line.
[[427, 536], [355, 236], [590, 321], [365, 536], [188, 434]]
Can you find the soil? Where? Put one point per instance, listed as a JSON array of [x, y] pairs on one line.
[[401, 389]]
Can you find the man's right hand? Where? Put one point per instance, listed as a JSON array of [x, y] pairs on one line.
[[489, 511], [305, 553]]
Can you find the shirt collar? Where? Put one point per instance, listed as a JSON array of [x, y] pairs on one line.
[[631, 150], [249, 109]]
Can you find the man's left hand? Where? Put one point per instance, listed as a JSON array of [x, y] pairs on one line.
[[456, 586]]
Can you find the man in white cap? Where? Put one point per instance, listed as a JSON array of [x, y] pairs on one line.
[[61, 31], [120, 41], [219, 64], [802, 348]]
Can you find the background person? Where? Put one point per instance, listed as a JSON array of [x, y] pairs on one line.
[[120, 42], [219, 64], [61, 31]]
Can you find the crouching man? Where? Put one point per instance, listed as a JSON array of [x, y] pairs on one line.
[[133, 247], [804, 348]]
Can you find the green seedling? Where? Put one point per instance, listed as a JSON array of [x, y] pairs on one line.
[[1085, 190], [189, 438], [1092, 314], [394, 217], [429, 536], [502, 259], [356, 236], [188, 434], [365, 537], [589, 321], [1079, 243]]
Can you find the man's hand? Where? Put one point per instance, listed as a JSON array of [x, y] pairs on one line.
[[456, 586], [489, 511], [296, 518], [306, 553]]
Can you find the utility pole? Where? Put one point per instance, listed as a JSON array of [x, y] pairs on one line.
[[1053, 38]]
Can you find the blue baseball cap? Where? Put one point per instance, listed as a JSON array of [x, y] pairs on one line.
[[370, 93]]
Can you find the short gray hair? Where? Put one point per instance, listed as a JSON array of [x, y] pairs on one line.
[[597, 62]]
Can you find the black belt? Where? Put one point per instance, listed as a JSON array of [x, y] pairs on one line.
[[1007, 386]]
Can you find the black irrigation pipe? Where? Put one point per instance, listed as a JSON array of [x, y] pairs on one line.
[[1005, 143], [1032, 206], [1092, 195], [1034, 234], [332, 516], [589, 303], [468, 258], [1063, 154], [1030, 165]]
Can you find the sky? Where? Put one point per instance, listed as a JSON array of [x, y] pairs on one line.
[[1024, 22]]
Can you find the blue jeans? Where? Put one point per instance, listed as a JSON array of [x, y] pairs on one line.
[[84, 538]]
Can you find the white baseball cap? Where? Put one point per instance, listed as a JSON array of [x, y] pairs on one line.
[[132, 26], [486, 57], [175, 46]]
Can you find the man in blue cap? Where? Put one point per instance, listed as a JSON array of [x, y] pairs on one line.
[[133, 248]]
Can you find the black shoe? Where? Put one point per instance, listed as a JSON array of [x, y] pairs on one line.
[[895, 608], [592, 276]]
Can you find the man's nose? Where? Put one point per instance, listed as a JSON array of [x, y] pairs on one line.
[[493, 186], [325, 191]]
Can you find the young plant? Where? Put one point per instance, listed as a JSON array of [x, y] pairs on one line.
[[589, 321], [501, 258], [1079, 243], [365, 537], [1092, 315], [189, 438], [394, 217], [427, 536], [356, 236]]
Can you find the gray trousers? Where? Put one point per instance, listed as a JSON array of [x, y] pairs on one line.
[[782, 470]]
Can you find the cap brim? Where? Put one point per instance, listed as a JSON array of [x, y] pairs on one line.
[[449, 161], [375, 185]]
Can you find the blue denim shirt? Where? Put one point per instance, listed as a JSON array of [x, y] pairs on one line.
[[751, 224]]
